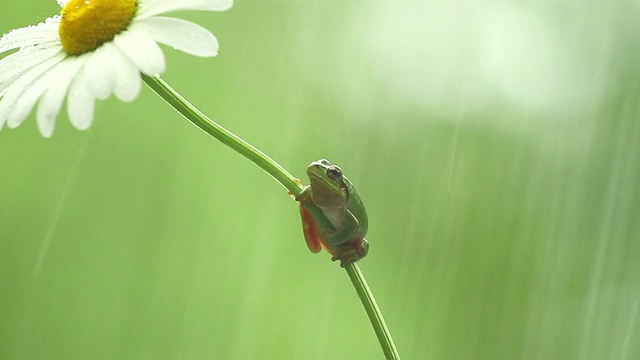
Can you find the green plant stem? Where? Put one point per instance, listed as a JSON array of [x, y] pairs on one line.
[[374, 313], [197, 118], [279, 173]]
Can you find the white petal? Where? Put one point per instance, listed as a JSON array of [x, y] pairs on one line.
[[181, 35], [17, 64], [80, 104], [25, 103], [99, 72], [109, 71], [15, 90], [150, 8], [140, 47], [126, 80], [51, 102], [40, 34]]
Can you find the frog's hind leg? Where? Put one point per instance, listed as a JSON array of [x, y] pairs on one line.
[[351, 251], [311, 235]]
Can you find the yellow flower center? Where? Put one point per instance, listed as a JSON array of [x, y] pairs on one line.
[[87, 24]]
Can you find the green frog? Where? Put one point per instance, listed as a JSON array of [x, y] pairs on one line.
[[340, 203]]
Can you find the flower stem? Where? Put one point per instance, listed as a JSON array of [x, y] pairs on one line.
[[225, 136], [196, 117], [374, 313]]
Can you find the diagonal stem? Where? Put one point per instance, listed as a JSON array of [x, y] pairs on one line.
[[374, 313], [197, 118]]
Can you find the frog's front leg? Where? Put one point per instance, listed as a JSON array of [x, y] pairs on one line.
[[304, 197]]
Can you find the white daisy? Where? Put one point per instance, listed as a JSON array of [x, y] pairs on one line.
[[93, 49]]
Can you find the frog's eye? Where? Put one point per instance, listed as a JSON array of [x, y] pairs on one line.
[[334, 172]]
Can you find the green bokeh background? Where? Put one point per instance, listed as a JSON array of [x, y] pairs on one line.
[[496, 145]]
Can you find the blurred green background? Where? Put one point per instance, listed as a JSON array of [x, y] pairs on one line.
[[496, 145]]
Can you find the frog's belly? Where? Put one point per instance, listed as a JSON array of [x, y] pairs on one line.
[[336, 218]]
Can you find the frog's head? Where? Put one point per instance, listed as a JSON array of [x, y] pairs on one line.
[[327, 184]]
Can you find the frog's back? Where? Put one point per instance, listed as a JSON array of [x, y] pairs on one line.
[[356, 206]]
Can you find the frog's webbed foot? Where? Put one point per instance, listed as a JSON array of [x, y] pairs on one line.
[[351, 251]]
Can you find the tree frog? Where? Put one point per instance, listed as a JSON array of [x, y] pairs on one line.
[[340, 203]]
